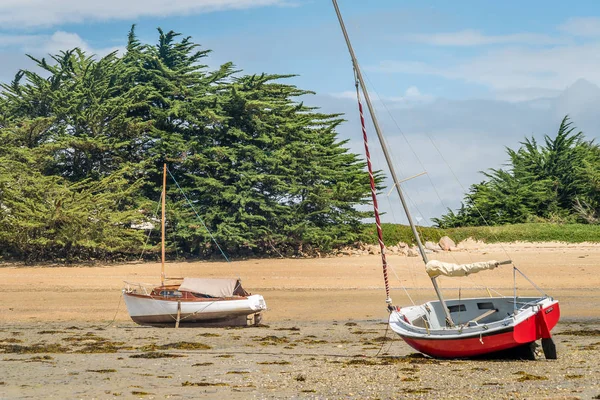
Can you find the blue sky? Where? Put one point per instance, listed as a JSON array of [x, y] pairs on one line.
[[454, 82]]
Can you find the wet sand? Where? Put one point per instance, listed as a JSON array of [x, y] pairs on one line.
[[64, 332]]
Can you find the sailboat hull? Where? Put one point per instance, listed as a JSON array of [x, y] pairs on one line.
[[152, 310], [469, 340]]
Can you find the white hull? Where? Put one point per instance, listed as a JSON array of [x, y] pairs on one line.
[[147, 310]]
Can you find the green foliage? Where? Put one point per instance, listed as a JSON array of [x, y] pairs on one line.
[[530, 232], [557, 181], [83, 141]]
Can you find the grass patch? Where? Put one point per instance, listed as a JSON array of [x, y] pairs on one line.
[[582, 332], [102, 371], [34, 349], [424, 390], [531, 232], [312, 341], [177, 346], [188, 383], [156, 354], [11, 340], [272, 340], [529, 377], [383, 339], [409, 379], [274, 363], [293, 329], [42, 358]]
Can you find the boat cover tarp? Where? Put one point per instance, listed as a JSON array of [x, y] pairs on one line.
[[436, 268], [211, 287]]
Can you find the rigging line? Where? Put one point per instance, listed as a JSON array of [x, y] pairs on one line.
[[401, 285], [200, 219], [116, 312], [466, 193], [150, 230], [530, 281], [172, 231], [423, 167], [384, 335], [406, 140], [373, 190]]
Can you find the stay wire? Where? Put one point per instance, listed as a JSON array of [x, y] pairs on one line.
[[150, 230], [198, 216], [423, 167]]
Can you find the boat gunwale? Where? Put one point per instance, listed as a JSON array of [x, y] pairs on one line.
[[406, 329]]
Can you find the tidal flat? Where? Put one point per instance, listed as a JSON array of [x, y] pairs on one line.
[[338, 359]]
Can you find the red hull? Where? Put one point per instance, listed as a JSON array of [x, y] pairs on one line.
[[535, 327]]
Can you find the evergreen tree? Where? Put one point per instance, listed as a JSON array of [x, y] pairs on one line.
[[84, 140], [556, 180]]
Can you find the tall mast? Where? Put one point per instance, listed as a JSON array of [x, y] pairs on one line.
[[162, 223], [388, 158]]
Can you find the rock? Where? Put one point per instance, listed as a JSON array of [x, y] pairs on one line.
[[402, 245], [412, 253], [432, 246], [393, 249], [446, 243], [372, 249]]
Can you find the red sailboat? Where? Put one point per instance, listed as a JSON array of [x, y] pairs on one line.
[[457, 328]]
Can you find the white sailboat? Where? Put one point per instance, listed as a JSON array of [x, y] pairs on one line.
[[194, 301], [459, 327]]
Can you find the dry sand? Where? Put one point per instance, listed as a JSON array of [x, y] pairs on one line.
[[324, 330]]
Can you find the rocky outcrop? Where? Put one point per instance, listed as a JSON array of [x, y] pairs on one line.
[[447, 244], [432, 246]]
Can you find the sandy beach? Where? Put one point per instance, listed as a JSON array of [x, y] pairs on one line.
[[65, 332]]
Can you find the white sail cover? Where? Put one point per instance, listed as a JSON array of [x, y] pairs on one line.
[[436, 268], [211, 287]]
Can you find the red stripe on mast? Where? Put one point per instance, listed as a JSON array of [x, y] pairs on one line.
[[374, 197]]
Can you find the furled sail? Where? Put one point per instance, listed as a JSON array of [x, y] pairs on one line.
[[436, 268], [211, 287]]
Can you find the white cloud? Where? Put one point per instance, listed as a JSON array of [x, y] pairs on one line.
[[582, 26], [32, 13], [411, 96], [61, 40], [51, 44], [476, 38], [517, 68]]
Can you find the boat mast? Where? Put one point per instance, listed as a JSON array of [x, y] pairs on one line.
[[388, 159], [162, 223]]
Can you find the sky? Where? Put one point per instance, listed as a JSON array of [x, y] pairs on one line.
[[454, 83]]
